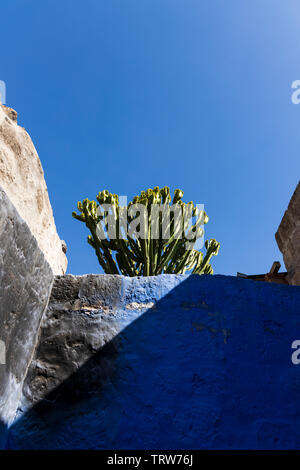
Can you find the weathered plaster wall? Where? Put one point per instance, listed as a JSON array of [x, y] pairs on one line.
[[22, 177], [288, 238], [167, 362], [25, 285]]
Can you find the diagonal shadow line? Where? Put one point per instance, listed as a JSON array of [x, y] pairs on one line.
[[3, 434], [130, 378], [161, 382]]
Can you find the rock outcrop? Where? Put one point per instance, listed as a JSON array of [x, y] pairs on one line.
[[25, 285], [288, 238], [164, 362], [22, 177]]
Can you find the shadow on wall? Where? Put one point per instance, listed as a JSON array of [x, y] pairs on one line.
[[208, 367], [3, 434]]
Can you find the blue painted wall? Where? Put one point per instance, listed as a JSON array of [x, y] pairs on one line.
[[209, 367]]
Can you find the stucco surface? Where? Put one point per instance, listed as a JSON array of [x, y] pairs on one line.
[[169, 362], [25, 285]]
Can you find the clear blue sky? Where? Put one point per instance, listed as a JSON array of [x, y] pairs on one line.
[[128, 94]]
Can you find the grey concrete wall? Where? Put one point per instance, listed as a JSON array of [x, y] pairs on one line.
[[25, 285]]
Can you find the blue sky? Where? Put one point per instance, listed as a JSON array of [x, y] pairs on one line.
[[129, 94]]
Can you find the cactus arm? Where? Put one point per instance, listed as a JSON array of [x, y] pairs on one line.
[[212, 249], [136, 256], [136, 248]]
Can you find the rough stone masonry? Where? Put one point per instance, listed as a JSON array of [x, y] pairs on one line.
[[22, 178], [288, 238]]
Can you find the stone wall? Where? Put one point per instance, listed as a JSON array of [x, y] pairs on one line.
[[165, 362], [25, 285], [22, 177], [288, 238], [84, 314]]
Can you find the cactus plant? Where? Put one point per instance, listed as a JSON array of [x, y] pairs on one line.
[[170, 251]]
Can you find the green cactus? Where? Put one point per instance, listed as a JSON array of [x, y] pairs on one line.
[[120, 251]]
